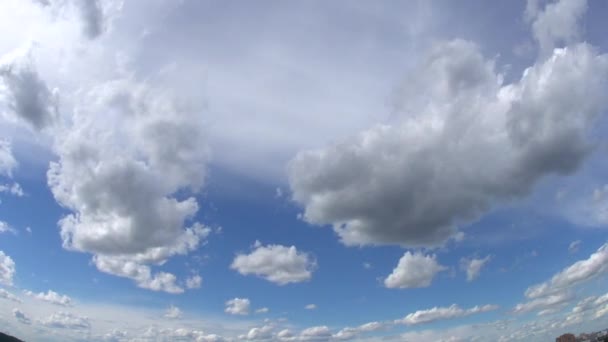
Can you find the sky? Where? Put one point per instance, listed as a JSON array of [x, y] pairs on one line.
[[303, 171]]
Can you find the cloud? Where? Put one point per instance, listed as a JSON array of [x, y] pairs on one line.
[[310, 307], [7, 295], [557, 23], [574, 246], [351, 333], [7, 269], [317, 333], [129, 149], [66, 320], [466, 141], [21, 316], [194, 282], [12, 189], [26, 94], [238, 306], [579, 272], [276, 263], [91, 14], [473, 266], [262, 310], [414, 270], [51, 297], [173, 312], [6, 228], [541, 304], [442, 313], [263, 333], [7, 161]]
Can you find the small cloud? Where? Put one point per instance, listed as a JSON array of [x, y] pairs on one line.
[[311, 307], [194, 282], [574, 246], [173, 312], [21, 316], [367, 265], [238, 306], [262, 310], [278, 193]]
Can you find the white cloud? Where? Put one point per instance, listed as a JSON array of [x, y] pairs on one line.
[[414, 270], [7, 295], [473, 266], [238, 306], [26, 94], [263, 333], [351, 333], [66, 320], [12, 189], [557, 23], [51, 297], [262, 310], [398, 183], [129, 149], [317, 333], [21, 316], [574, 246], [442, 313], [7, 269], [7, 161], [6, 228], [542, 304], [173, 312], [577, 273], [276, 263], [310, 307], [194, 282]]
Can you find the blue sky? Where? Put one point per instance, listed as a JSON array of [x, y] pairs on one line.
[[303, 171]]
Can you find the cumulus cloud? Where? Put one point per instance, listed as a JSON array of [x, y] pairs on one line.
[[194, 282], [352, 333], [263, 333], [317, 333], [579, 272], [173, 312], [12, 189], [414, 270], [262, 310], [442, 313], [7, 161], [574, 246], [6, 228], [21, 316], [238, 306], [473, 266], [7, 269], [51, 297], [466, 142], [26, 95], [276, 263], [557, 23], [310, 307], [7, 295], [66, 320], [129, 149]]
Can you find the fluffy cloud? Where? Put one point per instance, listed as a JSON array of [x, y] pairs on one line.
[[66, 320], [574, 246], [6, 228], [579, 272], [7, 161], [263, 333], [194, 282], [276, 263], [473, 266], [21, 316], [130, 148], [7, 295], [238, 306], [262, 310], [51, 297], [467, 141], [441, 313], [310, 307], [7, 269], [25, 93], [557, 23], [414, 270], [13, 189], [318, 333], [351, 333], [173, 312]]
